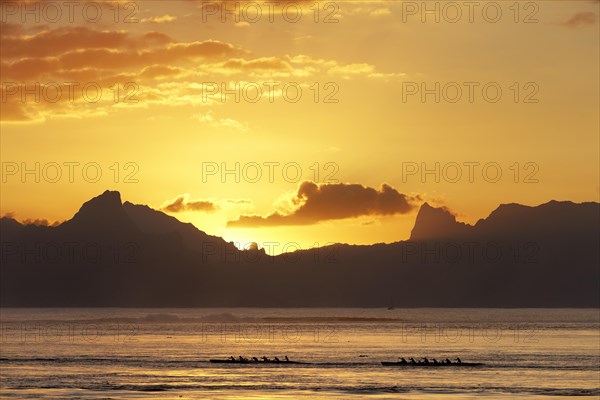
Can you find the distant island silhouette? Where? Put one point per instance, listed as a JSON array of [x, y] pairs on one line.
[[121, 254]]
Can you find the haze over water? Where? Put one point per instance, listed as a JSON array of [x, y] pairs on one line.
[[164, 353]]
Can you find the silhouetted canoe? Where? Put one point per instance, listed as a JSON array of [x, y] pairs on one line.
[[255, 362], [441, 365]]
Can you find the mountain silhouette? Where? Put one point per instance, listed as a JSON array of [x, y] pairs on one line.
[[121, 254], [100, 217], [512, 220], [433, 223], [150, 221]]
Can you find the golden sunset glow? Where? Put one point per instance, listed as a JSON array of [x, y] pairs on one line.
[[168, 123]]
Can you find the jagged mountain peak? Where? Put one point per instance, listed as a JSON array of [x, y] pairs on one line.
[[103, 213], [436, 222]]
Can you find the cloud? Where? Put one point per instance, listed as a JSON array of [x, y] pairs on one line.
[[160, 20], [380, 12], [264, 64], [324, 202], [173, 52], [182, 203], [238, 202], [12, 108], [299, 66], [39, 222], [160, 71], [210, 119], [9, 28], [581, 19], [165, 71], [154, 38], [56, 41], [30, 221], [352, 69], [217, 8], [54, 51]]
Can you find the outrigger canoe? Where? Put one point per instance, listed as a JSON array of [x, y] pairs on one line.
[[255, 362], [455, 364]]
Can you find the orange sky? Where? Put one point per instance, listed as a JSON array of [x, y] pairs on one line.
[[340, 108]]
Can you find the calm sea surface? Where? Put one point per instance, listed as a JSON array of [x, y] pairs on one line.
[[164, 353]]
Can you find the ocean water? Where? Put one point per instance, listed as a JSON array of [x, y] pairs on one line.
[[165, 353]]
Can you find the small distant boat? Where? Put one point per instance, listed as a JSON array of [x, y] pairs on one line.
[[237, 361], [433, 365], [391, 307]]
